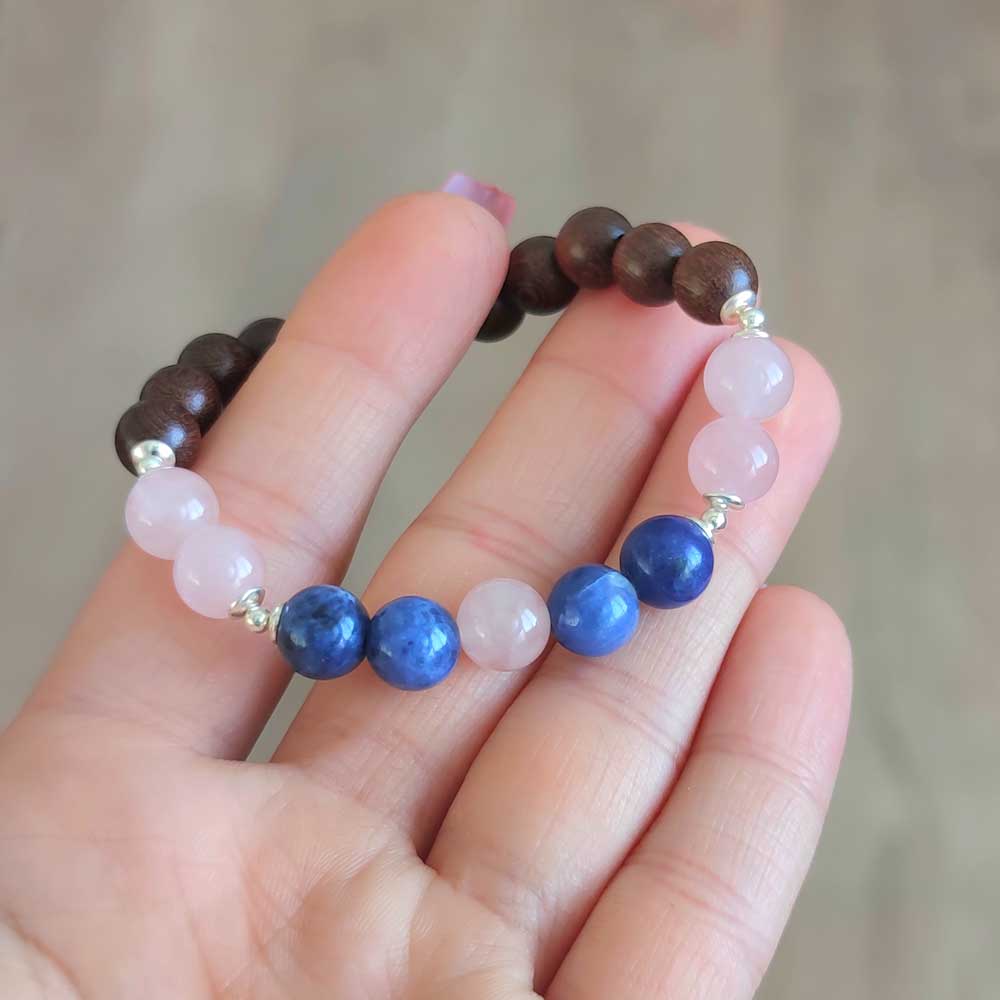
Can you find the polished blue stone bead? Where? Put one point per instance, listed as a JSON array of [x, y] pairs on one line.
[[668, 559], [322, 632], [413, 643], [594, 610]]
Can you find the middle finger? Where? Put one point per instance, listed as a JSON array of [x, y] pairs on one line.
[[583, 760], [546, 486]]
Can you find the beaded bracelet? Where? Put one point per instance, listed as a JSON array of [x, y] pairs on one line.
[[412, 642]]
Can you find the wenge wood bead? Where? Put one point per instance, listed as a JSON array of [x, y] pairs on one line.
[[189, 388], [503, 319], [585, 246], [710, 273], [260, 334], [534, 279], [644, 262], [226, 359], [158, 421]]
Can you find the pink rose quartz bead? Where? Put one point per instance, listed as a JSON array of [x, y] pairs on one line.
[[748, 377], [733, 456], [504, 624], [216, 566], [165, 506]]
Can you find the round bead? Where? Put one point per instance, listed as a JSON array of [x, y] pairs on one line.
[[261, 334], [322, 632], [735, 457], [413, 643], [189, 388], [504, 318], [644, 262], [165, 506], [585, 246], [215, 567], [226, 359], [708, 275], [748, 377], [669, 561], [157, 421], [504, 624], [594, 610], [534, 278]]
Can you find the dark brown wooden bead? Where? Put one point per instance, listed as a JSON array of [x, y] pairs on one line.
[[504, 318], [708, 275], [585, 246], [534, 278], [225, 358], [158, 421], [260, 334], [644, 262], [189, 388]]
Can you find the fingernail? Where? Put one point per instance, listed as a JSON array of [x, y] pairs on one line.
[[496, 202]]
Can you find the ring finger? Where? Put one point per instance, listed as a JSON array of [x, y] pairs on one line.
[[582, 761]]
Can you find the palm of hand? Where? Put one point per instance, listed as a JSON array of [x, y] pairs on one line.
[[630, 829], [157, 873]]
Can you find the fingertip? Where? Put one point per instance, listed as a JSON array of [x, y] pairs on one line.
[[801, 632], [820, 624], [812, 377], [810, 424], [423, 268], [495, 200], [448, 225]]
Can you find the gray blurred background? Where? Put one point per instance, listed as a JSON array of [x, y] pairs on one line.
[[168, 168]]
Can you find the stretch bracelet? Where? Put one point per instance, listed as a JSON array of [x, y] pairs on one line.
[[413, 642]]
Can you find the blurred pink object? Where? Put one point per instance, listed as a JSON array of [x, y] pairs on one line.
[[497, 202]]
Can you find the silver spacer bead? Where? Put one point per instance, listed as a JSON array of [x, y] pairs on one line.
[[716, 517], [272, 622], [257, 618], [713, 520], [251, 599], [752, 321], [741, 310], [724, 501], [733, 306], [149, 455]]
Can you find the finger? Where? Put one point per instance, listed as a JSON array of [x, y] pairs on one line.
[[547, 485], [295, 461], [582, 761], [698, 908]]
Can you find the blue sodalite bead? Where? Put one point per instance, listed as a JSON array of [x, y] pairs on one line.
[[413, 643], [668, 559], [322, 632], [594, 610]]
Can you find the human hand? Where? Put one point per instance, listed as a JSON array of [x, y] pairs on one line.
[[631, 827]]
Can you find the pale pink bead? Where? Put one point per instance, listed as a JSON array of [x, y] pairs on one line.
[[165, 506], [748, 377], [733, 456], [504, 624], [216, 566]]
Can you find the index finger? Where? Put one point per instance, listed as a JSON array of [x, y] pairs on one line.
[[296, 462]]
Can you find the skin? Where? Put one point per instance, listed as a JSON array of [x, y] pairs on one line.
[[634, 827]]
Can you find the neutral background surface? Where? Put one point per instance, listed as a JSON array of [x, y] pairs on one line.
[[169, 168]]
